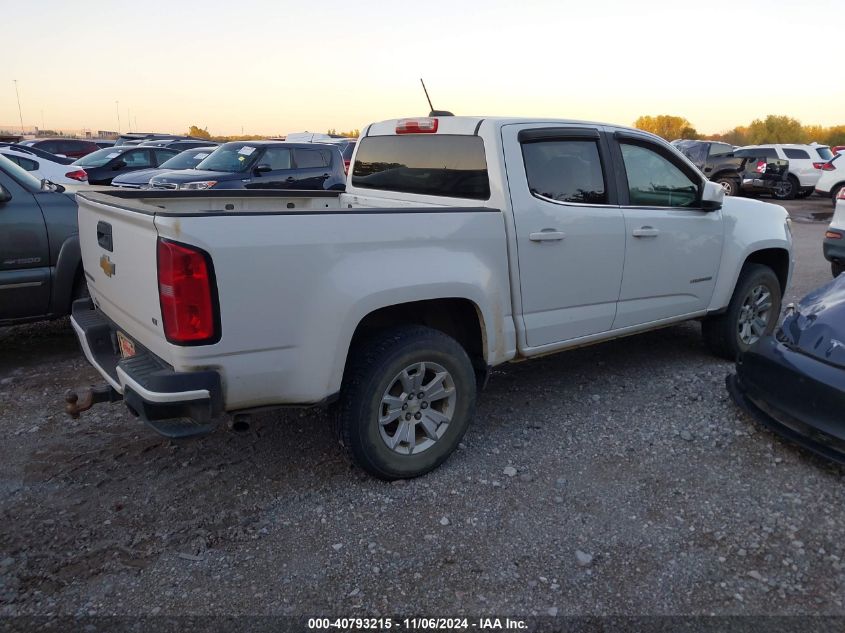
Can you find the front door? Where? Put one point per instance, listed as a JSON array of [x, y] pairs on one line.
[[280, 174], [570, 231], [673, 247], [24, 255]]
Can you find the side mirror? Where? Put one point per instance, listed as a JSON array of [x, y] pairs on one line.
[[5, 195], [262, 169], [119, 165], [712, 197]]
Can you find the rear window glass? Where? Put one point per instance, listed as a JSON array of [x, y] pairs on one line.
[[824, 153], [795, 153], [435, 165]]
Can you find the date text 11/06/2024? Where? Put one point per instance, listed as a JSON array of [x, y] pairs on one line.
[[418, 624]]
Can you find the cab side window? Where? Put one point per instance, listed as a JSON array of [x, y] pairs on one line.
[[565, 170], [276, 157], [654, 181], [137, 158], [312, 158]]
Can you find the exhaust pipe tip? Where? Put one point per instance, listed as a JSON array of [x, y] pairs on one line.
[[240, 423]]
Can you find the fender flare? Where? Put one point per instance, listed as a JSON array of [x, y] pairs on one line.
[[68, 266]]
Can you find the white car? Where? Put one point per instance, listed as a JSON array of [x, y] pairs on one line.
[[39, 165], [459, 244], [834, 237], [832, 180], [805, 165]]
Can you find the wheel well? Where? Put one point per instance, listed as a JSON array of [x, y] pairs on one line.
[[459, 318], [775, 258], [722, 174]]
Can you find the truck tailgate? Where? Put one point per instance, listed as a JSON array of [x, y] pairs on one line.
[[119, 257]]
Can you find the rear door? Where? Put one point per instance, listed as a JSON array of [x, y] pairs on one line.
[[801, 164], [24, 254], [570, 231], [672, 246], [313, 166]]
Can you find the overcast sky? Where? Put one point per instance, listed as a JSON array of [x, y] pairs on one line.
[[275, 66]]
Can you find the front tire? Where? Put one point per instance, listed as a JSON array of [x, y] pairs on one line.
[[752, 313], [406, 402]]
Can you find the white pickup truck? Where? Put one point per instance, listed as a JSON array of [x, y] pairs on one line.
[[459, 244]]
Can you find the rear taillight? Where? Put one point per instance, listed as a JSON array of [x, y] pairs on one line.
[[819, 165], [761, 167], [187, 294], [826, 167], [80, 174], [417, 126], [833, 235], [346, 166]]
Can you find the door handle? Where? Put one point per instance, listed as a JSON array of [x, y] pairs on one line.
[[546, 235], [646, 231]]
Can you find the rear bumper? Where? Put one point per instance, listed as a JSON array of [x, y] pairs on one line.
[[175, 404], [834, 250], [794, 395]]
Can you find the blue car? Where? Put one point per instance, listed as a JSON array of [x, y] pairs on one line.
[[187, 159], [262, 165], [793, 381]]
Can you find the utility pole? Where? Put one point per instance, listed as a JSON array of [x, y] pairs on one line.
[[43, 127], [129, 119], [117, 107], [20, 112]]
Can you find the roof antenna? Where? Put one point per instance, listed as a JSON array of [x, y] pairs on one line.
[[433, 111]]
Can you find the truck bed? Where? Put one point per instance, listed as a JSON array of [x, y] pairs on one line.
[[294, 272]]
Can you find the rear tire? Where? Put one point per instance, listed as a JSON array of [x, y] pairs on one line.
[[837, 269], [747, 318], [787, 190], [729, 184], [387, 428]]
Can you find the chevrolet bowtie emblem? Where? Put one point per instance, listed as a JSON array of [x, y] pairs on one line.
[[107, 265]]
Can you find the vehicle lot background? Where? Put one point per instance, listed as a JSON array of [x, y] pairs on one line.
[[629, 452]]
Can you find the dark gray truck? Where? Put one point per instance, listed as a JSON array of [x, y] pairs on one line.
[[40, 264], [744, 171]]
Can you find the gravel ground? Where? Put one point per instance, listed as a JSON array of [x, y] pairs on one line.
[[615, 479]]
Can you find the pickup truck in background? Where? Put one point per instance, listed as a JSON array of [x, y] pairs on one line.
[[460, 243], [40, 264], [737, 171]]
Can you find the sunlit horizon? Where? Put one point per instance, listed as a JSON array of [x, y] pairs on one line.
[[260, 67]]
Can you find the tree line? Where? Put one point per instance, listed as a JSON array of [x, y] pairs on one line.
[[773, 129], [199, 132]]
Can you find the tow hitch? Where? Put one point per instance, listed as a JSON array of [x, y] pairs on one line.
[[87, 398]]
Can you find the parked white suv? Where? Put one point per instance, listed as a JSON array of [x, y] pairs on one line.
[[805, 164], [833, 178]]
